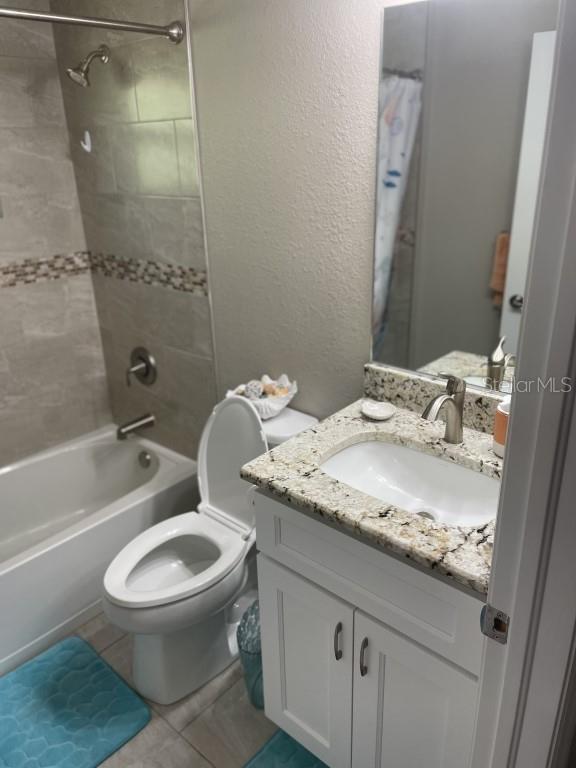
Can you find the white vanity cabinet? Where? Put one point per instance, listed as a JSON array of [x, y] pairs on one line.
[[410, 707], [307, 659], [367, 661]]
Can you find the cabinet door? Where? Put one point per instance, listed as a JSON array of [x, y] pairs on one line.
[[411, 708], [307, 653]]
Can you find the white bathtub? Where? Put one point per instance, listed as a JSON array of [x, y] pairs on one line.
[[64, 514]]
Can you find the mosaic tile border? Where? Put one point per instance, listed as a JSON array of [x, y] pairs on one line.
[[412, 390], [158, 273], [31, 271], [173, 276]]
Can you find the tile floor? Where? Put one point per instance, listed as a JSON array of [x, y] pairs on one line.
[[216, 726]]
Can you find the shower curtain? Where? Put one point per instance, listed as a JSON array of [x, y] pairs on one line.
[[400, 106]]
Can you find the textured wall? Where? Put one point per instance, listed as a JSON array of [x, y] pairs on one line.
[[52, 382], [141, 206], [287, 98]]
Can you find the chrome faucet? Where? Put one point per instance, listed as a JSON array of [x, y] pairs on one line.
[[453, 402], [131, 427], [498, 363]]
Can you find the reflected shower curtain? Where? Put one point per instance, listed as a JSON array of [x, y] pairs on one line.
[[400, 106]]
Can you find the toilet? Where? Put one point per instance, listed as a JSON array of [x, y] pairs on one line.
[[181, 586]]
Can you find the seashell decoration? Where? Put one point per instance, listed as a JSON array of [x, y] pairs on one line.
[[269, 396]]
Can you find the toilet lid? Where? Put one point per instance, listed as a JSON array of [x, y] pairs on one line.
[[232, 437]]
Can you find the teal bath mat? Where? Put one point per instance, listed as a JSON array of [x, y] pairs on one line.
[[281, 751], [66, 709]]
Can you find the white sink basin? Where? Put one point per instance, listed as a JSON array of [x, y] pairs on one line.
[[416, 482]]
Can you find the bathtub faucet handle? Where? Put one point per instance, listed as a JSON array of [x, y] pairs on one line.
[[142, 366], [134, 370]]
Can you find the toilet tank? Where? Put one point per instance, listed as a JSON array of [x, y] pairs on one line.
[[287, 424]]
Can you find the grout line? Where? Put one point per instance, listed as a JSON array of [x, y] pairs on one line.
[[107, 647], [208, 706], [185, 740], [25, 57]]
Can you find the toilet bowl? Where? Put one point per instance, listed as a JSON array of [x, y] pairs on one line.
[[174, 586]]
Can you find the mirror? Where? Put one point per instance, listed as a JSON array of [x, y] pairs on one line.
[[464, 93]]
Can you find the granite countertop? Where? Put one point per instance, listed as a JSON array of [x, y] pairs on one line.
[[459, 363], [292, 473]]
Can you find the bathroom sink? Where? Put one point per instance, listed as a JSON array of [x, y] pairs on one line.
[[417, 482]]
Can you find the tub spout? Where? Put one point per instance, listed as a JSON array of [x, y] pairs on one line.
[[131, 427]]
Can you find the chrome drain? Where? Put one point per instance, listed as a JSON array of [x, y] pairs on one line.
[[144, 459]]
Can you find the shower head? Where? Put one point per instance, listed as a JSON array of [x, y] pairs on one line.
[[79, 74]]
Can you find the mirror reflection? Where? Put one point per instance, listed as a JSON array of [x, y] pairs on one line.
[[464, 94]]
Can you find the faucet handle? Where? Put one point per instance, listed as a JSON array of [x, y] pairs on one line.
[[142, 367], [454, 384], [138, 369]]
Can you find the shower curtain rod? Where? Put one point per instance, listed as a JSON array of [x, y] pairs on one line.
[[174, 31]]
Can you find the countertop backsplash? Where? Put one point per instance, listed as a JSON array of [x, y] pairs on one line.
[[413, 391]]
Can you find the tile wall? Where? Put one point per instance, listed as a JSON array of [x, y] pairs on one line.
[[101, 235], [52, 379], [140, 200]]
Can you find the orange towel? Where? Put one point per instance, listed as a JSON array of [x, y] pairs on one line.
[[499, 267]]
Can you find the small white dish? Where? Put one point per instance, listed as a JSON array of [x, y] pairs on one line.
[[376, 411]]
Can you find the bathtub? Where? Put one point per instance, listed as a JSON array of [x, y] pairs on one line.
[[64, 514]]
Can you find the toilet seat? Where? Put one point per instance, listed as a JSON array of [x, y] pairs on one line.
[[154, 556], [188, 554]]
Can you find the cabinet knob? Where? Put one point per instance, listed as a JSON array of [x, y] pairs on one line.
[[337, 634], [363, 666]]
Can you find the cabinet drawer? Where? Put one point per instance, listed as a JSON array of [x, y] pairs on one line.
[[440, 617]]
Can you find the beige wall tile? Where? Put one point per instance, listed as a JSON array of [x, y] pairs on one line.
[[161, 317], [187, 162], [31, 94], [145, 159], [139, 199], [166, 229], [52, 383], [116, 224], [40, 214], [161, 80], [176, 234], [35, 161], [27, 38], [38, 226]]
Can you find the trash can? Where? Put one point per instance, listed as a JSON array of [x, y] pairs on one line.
[[250, 650]]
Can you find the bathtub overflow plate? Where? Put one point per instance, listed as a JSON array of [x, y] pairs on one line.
[[144, 459]]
